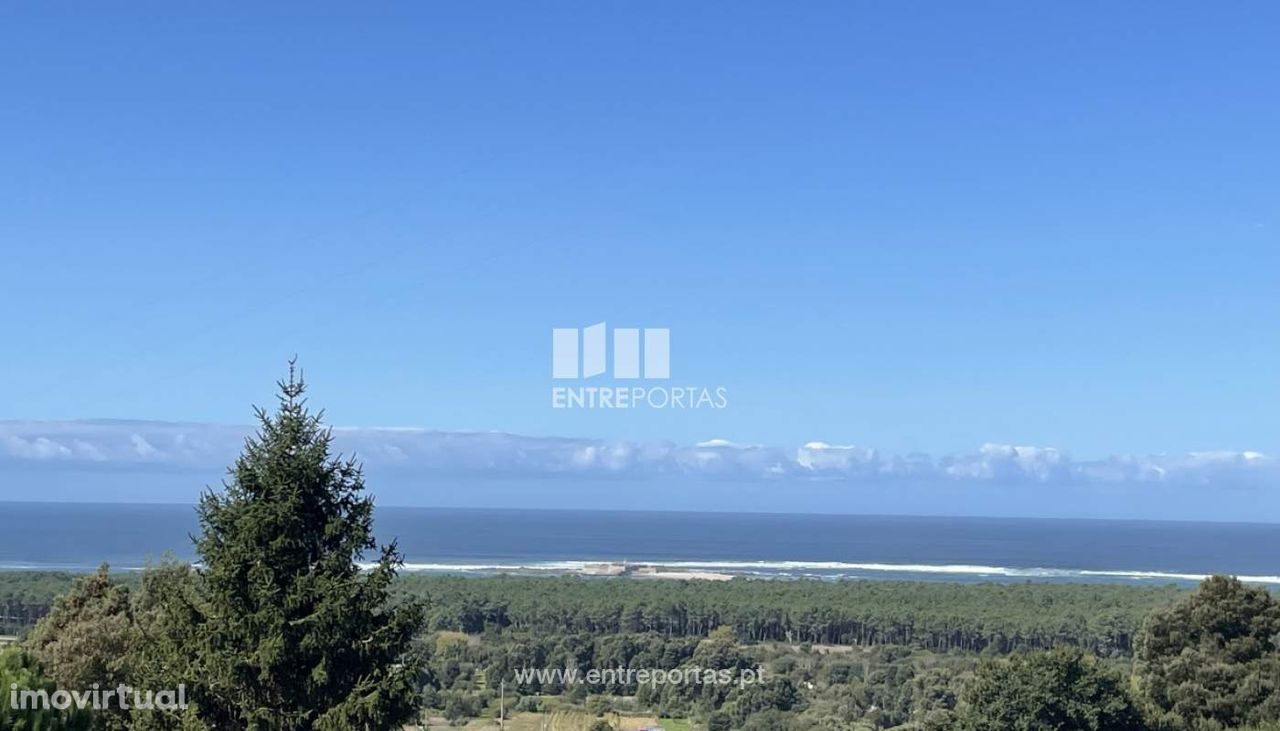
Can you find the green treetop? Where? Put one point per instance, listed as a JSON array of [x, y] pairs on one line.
[[285, 631], [1213, 660]]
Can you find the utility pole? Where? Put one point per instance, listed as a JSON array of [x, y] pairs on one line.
[[502, 704]]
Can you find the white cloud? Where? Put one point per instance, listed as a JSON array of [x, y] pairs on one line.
[[37, 448], [820, 457], [493, 454], [1009, 462]]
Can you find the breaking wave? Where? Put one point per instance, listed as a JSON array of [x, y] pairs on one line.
[[833, 570]]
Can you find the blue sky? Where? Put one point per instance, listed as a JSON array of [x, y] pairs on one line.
[[919, 227]]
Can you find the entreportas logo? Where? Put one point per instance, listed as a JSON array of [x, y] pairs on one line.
[[638, 354], [626, 352]]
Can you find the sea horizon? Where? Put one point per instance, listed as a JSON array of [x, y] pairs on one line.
[[73, 536]]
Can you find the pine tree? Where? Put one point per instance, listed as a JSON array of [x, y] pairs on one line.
[[1213, 659], [84, 641], [287, 632]]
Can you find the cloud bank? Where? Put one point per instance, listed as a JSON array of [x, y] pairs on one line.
[[132, 445]]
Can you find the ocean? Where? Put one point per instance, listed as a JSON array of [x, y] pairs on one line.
[[484, 541]]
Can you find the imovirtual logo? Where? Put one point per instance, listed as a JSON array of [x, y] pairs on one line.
[[636, 354]]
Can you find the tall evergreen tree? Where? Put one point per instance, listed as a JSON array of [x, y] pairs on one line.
[[287, 632]]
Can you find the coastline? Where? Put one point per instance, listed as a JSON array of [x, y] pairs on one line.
[[695, 546], [826, 571]]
